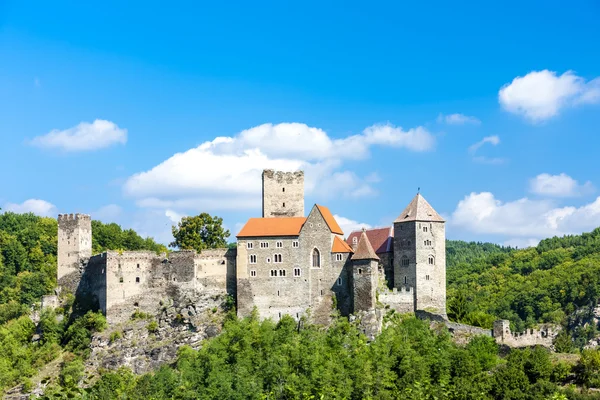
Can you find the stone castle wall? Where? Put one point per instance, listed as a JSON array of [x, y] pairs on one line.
[[74, 248], [544, 336], [283, 193], [401, 300]]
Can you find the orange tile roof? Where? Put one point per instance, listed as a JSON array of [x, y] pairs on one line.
[[263, 227], [339, 246], [331, 222]]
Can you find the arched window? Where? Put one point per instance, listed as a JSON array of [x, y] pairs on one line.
[[431, 260], [316, 259]]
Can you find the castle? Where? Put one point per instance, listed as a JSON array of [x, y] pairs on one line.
[[285, 263]]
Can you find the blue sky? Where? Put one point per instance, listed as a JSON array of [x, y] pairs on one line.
[[492, 110]]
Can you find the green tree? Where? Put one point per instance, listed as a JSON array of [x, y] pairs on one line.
[[200, 232]]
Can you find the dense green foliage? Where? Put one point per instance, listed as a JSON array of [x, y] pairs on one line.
[[200, 232], [112, 237], [266, 360], [558, 281]]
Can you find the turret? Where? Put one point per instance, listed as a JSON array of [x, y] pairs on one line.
[[364, 275], [420, 255]]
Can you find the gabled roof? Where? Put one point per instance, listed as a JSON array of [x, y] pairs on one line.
[[331, 222], [265, 227], [419, 210], [364, 250], [380, 238], [339, 246]]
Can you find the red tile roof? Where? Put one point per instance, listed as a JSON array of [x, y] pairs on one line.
[[380, 238], [331, 222], [264, 227], [339, 246]]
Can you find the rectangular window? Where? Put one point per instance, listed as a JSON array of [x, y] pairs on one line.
[[296, 271], [339, 257], [121, 280], [279, 244], [282, 272], [424, 229], [249, 245], [253, 272], [339, 281], [252, 258], [137, 279], [277, 258], [138, 266], [295, 243], [426, 277], [273, 272], [264, 245]]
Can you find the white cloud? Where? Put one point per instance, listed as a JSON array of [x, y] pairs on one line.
[[225, 173], [561, 185], [457, 119], [521, 243], [36, 206], [349, 225], [174, 216], [494, 141], [540, 95], [482, 213], [83, 137]]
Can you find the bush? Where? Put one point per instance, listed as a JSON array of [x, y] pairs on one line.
[[153, 327], [116, 335]]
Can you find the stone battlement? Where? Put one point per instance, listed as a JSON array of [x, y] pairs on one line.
[[73, 217], [544, 336], [281, 176]]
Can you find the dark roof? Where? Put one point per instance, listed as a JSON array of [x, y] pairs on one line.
[[364, 250], [380, 238], [419, 210]]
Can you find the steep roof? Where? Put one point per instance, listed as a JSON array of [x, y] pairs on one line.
[[339, 246], [419, 210], [264, 227], [331, 222], [380, 238], [364, 250]]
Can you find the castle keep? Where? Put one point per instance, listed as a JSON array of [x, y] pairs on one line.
[[285, 263]]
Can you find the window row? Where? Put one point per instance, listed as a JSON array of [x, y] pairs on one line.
[[137, 279], [405, 262], [265, 245], [277, 272], [276, 258]]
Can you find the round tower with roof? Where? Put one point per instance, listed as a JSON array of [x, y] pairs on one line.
[[420, 255]]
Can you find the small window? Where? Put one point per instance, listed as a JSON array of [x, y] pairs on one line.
[[268, 259], [279, 244], [283, 190], [295, 243], [282, 272], [253, 272], [277, 258], [249, 245], [339, 257], [174, 279], [431, 260], [252, 258], [264, 245], [354, 240], [405, 261], [137, 279], [119, 266], [121, 280], [321, 292], [405, 280], [283, 205], [424, 229], [339, 281], [296, 271], [426, 277], [360, 271], [278, 295]]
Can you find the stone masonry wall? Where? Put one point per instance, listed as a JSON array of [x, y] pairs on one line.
[[283, 194], [401, 300], [544, 336], [430, 289], [364, 285], [74, 248]]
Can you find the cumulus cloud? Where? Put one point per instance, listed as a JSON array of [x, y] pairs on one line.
[[174, 216], [36, 206], [494, 141], [457, 119], [523, 218], [540, 95], [561, 185], [225, 173], [349, 225], [83, 137]]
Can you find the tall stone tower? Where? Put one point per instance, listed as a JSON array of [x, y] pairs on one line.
[[364, 275], [74, 246], [282, 194], [420, 255]]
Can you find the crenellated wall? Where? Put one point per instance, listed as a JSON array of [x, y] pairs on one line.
[[283, 193], [544, 336], [400, 299], [74, 249]]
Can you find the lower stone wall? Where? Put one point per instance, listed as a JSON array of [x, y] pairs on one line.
[[401, 300]]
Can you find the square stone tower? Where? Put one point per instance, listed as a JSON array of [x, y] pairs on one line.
[[74, 247], [364, 275], [282, 194], [420, 255]]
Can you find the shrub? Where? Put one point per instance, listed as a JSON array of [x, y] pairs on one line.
[[153, 327]]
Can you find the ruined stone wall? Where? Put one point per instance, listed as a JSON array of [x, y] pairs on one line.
[[215, 270], [74, 248], [271, 286], [544, 336], [283, 194], [386, 265], [401, 300]]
